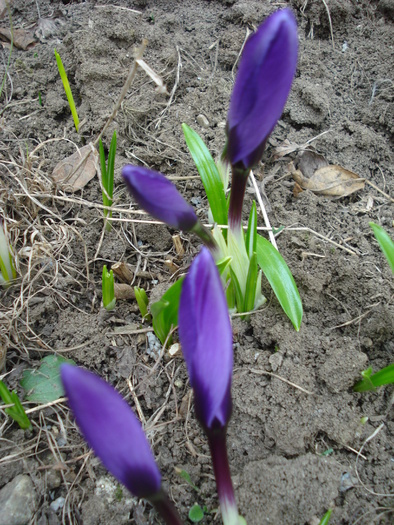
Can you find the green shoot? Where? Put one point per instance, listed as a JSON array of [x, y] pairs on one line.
[[7, 267], [107, 178], [326, 518], [143, 302], [16, 412], [67, 89], [108, 285], [372, 381], [186, 476], [385, 242], [165, 312], [196, 513]]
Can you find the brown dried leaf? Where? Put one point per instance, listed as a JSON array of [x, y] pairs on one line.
[[22, 39], [332, 180], [284, 149], [309, 162], [65, 175]]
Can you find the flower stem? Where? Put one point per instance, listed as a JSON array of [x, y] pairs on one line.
[[238, 186], [165, 508], [206, 237], [228, 506]]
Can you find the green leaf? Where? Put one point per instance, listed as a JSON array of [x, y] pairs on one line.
[[326, 518], [44, 385], [196, 514], [67, 89], [111, 168], [251, 233], [371, 381], [209, 174], [251, 281], [142, 301], [281, 280], [223, 264], [185, 475], [385, 242], [238, 292], [165, 311], [108, 289], [17, 412]]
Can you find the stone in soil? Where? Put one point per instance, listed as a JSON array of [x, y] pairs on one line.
[[17, 501]]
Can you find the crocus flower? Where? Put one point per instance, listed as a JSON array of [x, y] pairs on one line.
[[159, 197], [265, 74], [114, 433], [206, 340]]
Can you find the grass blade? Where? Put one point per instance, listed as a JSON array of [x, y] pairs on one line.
[[67, 89]]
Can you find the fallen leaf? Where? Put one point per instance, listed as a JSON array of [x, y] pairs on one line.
[[309, 162], [332, 180], [72, 177], [22, 39], [284, 149]]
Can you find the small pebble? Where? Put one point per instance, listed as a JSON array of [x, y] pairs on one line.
[[57, 504], [203, 121]]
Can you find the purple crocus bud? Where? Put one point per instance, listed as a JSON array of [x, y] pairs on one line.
[[115, 434], [159, 197], [265, 74], [206, 339], [112, 430]]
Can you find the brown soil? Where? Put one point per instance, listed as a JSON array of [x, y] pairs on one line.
[[293, 454]]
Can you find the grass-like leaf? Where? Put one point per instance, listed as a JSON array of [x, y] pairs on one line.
[[107, 177], [385, 242], [251, 281], [371, 381], [67, 89], [251, 232], [142, 301], [281, 280], [165, 311], [17, 412], [326, 518], [209, 174]]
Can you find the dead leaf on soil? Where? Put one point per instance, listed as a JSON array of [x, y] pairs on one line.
[[22, 39], [65, 175], [315, 174]]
